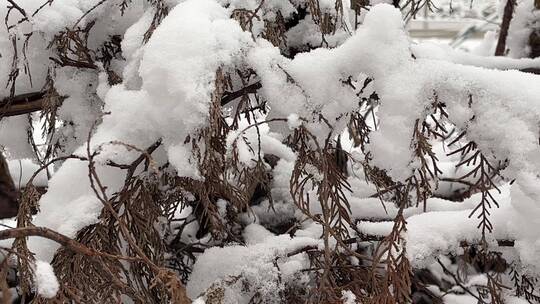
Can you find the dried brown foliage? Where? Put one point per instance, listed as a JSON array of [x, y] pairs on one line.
[[137, 250]]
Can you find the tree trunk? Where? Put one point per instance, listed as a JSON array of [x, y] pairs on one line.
[[8, 193], [503, 34]]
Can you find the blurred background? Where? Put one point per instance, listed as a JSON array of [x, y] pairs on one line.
[[462, 24]]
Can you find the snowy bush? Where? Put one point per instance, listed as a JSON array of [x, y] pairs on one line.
[[265, 151]]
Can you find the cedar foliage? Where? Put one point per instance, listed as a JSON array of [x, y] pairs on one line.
[[132, 251]]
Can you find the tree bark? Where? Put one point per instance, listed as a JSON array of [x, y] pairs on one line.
[[22, 104], [503, 34], [8, 193]]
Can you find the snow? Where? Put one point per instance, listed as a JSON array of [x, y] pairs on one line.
[[68, 211], [199, 301], [23, 169], [166, 94], [253, 264], [437, 51], [293, 121], [525, 16], [406, 87], [255, 234], [82, 107], [13, 137], [348, 297], [309, 92], [47, 284], [446, 224], [249, 140], [59, 15], [441, 229]]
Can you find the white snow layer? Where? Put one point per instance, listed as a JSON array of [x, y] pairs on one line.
[[255, 265], [47, 284], [142, 116], [167, 91]]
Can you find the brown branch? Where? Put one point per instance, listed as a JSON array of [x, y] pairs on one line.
[[28, 97], [230, 96], [531, 70], [20, 109], [458, 282], [61, 239], [22, 104], [32, 102], [507, 17], [500, 243], [145, 155], [14, 5], [386, 190], [379, 238], [48, 234]]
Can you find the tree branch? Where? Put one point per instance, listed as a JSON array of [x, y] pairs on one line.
[[507, 17], [48, 234], [378, 238], [230, 96], [61, 239], [32, 102], [22, 104]]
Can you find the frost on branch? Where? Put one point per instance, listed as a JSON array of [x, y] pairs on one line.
[[241, 151]]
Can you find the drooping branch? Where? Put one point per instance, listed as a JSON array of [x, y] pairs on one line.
[[47, 233]]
